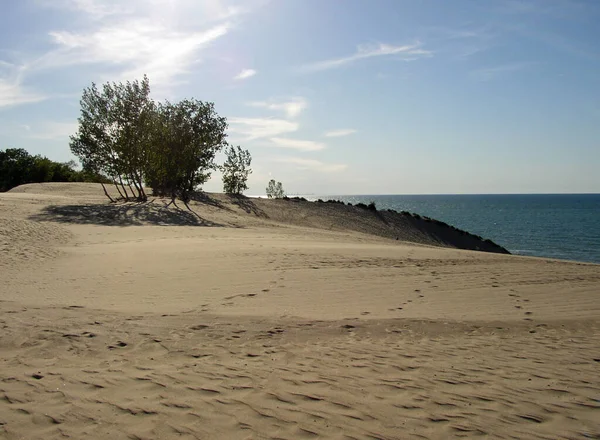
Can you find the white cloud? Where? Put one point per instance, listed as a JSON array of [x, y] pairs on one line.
[[257, 128], [311, 164], [161, 38], [406, 52], [139, 47], [244, 74], [340, 133], [297, 144], [292, 107]]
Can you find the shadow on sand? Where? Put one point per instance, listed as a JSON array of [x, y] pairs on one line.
[[247, 205], [122, 214], [206, 199]]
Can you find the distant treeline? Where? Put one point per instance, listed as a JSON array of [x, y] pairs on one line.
[[18, 167]]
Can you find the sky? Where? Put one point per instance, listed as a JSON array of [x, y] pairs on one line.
[[332, 96]]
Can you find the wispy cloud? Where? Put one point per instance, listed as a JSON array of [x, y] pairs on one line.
[[245, 74], [312, 164], [12, 91], [138, 48], [340, 133], [407, 53], [292, 107], [491, 73], [297, 144], [161, 38], [462, 41], [258, 128]]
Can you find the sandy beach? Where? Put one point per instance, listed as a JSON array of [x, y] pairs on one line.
[[242, 319]]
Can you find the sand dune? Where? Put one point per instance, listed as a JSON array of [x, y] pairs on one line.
[[231, 321]]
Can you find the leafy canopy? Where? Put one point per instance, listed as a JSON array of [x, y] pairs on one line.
[[236, 170], [275, 190]]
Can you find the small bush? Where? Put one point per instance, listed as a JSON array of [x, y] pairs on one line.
[[372, 207]]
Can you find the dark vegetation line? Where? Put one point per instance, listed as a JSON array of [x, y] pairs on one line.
[[18, 167]]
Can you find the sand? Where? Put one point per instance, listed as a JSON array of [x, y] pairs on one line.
[[133, 322]]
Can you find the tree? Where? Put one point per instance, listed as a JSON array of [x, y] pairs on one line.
[[112, 138], [15, 168], [275, 190], [18, 167], [125, 135], [236, 170], [185, 140]]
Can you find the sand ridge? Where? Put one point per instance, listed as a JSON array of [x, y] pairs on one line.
[[135, 322]]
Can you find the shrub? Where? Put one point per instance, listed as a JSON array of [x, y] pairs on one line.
[[236, 170], [275, 190]]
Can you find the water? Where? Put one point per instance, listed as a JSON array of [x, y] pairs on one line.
[[564, 226]]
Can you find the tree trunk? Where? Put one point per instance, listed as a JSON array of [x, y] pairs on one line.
[[139, 186], [106, 192], [124, 190], [143, 195], [118, 189], [133, 194]]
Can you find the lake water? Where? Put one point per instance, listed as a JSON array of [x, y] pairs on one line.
[[564, 226]]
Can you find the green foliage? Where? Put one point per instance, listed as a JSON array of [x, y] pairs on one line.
[[236, 170], [113, 132], [18, 167], [185, 139], [275, 190], [127, 136]]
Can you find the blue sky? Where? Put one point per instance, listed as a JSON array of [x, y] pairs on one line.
[[333, 96]]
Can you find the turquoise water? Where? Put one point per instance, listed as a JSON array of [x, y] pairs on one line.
[[564, 226]]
